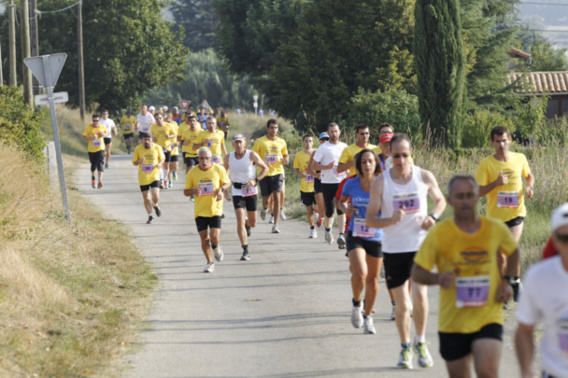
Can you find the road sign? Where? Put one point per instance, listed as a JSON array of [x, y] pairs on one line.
[[58, 97], [54, 64], [184, 104]]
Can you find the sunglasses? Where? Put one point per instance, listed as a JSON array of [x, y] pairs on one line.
[[160, 118], [386, 132], [561, 238]]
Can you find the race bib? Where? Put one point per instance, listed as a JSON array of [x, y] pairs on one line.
[[165, 149], [207, 188], [147, 168], [337, 174], [216, 159], [409, 202], [563, 334], [472, 291], [127, 127], [248, 192], [271, 158], [309, 179], [508, 199], [97, 143], [361, 230]]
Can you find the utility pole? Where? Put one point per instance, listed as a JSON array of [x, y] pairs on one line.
[[25, 23], [80, 59], [12, 43], [34, 37]]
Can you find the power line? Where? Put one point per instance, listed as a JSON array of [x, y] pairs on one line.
[[556, 4]]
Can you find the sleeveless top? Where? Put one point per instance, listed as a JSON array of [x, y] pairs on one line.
[[241, 170], [406, 235]]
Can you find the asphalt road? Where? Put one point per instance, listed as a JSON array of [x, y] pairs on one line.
[[284, 313]]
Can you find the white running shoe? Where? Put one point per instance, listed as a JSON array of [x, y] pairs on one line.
[[313, 234], [275, 229], [357, 316], [271, 219], [393, 313], [328, 237], [368, 325], [263, 214], [282, 215], [209, 268], [424, 356], [218, 253], [341, 242], [405, 359]]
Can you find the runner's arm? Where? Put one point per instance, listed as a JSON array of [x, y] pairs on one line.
[[530, 183], [299, 173], [436, 195], [423, 276], [316, 166], [224, 148], [342, 167], [524, 345], [343, 205], [500, 180], [226, 163], [285, 159], [259, 163], [309, 170]]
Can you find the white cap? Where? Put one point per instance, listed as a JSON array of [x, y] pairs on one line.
[[559, 217], [151, 107], [165, 108]]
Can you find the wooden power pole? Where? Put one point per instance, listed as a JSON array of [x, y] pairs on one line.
[[25, 23], [34, 37], [80, 59], [12, 43]]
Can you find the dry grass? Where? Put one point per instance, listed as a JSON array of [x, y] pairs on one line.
[[69, 294]]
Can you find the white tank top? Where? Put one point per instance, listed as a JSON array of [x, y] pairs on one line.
[[241, 170], [405, 236]]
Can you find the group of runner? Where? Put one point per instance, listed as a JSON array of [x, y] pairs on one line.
[[382, 217]]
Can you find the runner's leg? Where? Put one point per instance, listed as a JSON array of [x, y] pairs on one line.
[[402, 318], [241, 230], [420, 308], [358, 267], [372, 282], [205, 247], [486, 356], [460, 368]]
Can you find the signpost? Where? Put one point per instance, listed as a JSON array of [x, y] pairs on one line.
[[46, 69], [255, 104], [184, 104]]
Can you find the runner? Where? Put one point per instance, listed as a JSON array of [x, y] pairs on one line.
[[188, 136], [94, 134], [465, 251], [128, 124], [149, 158], [110, 126], [400, 193], [323, 137], [499, 179], [241, 167], [175, 151], [224, 123], [347, 158], [386, 131], [212, 138], [363, 243], [326, 160], [545, 299], [202, 118], [144, 120], [176, 116], [307, 194], [206, 182], [152, 110], [275, 153], [163, 135]]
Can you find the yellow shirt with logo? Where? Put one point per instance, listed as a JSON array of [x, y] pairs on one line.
[[162, 134], [301, 162], [152, 156], [271, 151], [211, 180], [97, 144], [223, 123], [507, 201], [190, 135], [217, 140], [349, 153], [127, 124], [175, 128], [473, 261]]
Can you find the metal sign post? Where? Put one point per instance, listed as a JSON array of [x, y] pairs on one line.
[[46, 69], [255, 104]]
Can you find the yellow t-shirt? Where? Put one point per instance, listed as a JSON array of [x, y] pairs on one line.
[[206, 205], [349, 153], [191, 136], [217, 140], [271, 151], [162, 134], [127, 124], [175, 128], [223, 123], [301, 162], [182, 127], [505, 202], [97, 144], [473, 260], [147, 171]]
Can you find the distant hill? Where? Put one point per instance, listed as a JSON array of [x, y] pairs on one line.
[[549, 17]]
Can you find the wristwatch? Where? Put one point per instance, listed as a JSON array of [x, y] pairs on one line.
[[435, 216]]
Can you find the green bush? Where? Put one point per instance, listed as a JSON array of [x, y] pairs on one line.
[[477, 127], [20, 126]]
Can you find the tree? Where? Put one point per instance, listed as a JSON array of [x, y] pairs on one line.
[[440, 66], [546, 58], [198, 19]]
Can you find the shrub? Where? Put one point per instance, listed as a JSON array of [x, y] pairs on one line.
[[477, 127]]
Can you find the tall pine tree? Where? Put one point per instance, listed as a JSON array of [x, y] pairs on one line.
[[440, 65]]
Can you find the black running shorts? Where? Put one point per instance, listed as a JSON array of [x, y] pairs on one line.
[[398, 267], [203, 223], [454, 346], [145, 188]]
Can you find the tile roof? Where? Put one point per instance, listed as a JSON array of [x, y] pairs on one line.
[[553, 82]]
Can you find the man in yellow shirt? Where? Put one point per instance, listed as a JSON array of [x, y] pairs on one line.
[[175, 150], [163, 135], [149, 158], [213, 139], [307, 193], [223, 122], [94, 134], [207, 182], [346, 160], [189, 131], [274, 151], [500, 179], [466, 252], [128, 124]]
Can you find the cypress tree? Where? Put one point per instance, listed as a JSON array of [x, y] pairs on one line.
[[440, 67]]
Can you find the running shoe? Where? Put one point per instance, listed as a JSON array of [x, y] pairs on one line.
[[382, 274], [368, 326], [263, 214], [150, 219], [218, 253], [192, 198], [275, 229], [393, 313], [424, 356], [282, 215], [100, 186], [106, 166], [405, 360], [162, 184], [341, 242], [248, 230], [223, 216], [175, 176], [313, 233], [271, 219], [328, 237], [357, 316], [169, 184], [320, 222], [158, 211], [209, 268], [517, 286], [245, 256], [94, 184]]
